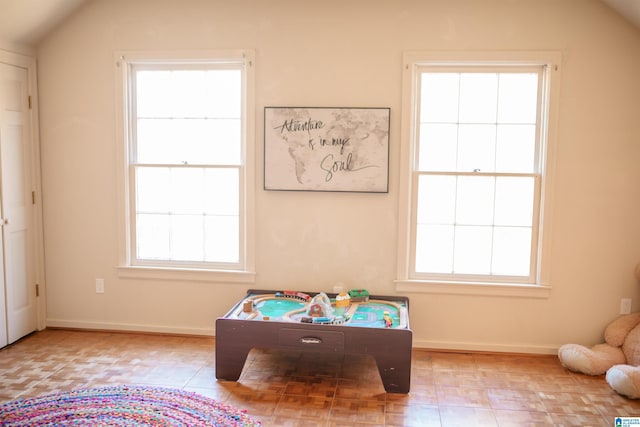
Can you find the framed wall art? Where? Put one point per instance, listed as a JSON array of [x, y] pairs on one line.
[[326, 149]]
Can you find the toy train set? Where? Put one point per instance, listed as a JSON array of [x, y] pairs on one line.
[[353, 322], [353, 308]]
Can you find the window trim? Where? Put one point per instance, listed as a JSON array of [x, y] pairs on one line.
[[124, 266], [412, 61]]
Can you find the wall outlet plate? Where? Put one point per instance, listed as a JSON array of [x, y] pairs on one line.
[[99, 286], [625, 306]]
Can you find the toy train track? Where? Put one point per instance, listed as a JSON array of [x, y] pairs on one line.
[[249, 311]]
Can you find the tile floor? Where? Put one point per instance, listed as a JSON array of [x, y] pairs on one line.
[[305, 389]]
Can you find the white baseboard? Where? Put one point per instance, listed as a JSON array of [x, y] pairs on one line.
[[128, 327], [422, 344], [485, 347]]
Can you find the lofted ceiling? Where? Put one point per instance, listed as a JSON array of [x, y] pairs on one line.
[[630, 9], [26, 22]]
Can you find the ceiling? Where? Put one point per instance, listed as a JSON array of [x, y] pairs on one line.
[[630, 9], [26, 22]]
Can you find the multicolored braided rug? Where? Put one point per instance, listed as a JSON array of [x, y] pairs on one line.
[[122, 406]]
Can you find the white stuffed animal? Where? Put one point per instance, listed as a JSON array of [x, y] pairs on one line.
[[618, 356]]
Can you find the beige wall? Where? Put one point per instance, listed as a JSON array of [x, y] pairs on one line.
[[347, 53], [21, 49]]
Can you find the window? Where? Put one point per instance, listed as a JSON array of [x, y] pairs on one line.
[[477, 162], [187, 171]]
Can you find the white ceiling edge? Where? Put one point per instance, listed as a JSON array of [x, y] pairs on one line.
[[630, 9]]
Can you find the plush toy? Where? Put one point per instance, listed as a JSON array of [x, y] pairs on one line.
[[618, 356]]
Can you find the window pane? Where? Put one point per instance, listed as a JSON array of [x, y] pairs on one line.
[[439, 97], [514, 201], [472, 250], [516, 148], [222, 239], [478, 97], [151, 189], [156, 141], [476, 148], [474, 201], [188, 93], [187, 237], [436, 199], [153, 236], [438, 147], [154, 91], [483, 118], [183, 196], [223, 92], [434, 248], [216, 141], [517, 100], [187, 151], [222, 192], [186, 191], [511, 251], [191, 141]]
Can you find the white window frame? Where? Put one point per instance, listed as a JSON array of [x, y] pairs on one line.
[[407, 279], [243, 272]]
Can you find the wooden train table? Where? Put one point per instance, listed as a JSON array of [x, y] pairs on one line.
[[373, 325]]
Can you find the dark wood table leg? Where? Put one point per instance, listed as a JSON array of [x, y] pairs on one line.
[[391, 349], [231, 352], [395, 371]]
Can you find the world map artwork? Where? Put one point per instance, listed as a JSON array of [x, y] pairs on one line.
[[327, 149]]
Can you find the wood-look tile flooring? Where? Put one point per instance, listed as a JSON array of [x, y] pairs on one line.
[[305, 389]]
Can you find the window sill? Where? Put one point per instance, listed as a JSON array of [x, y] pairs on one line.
[[481, 289], [185, 274]]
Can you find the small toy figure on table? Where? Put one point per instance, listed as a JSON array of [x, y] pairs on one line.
[[343, 301], [388, 321]]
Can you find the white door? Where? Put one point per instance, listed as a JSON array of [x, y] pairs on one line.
[[3, 306], [16, 207]]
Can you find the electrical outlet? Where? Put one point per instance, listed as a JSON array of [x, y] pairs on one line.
[[99, 286], [625, 306]]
